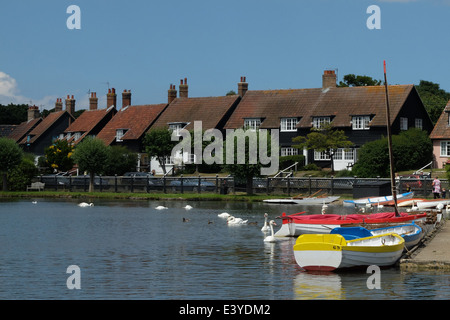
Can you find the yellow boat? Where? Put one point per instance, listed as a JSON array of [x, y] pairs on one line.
[[328, 252]]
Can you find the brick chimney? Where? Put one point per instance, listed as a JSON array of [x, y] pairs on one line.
[[242, 87], [93, 101], [58, 105], [171, 93], [111, 98], [328, 79], [183, 88], [70, 105], [126, 98], [33, 112]]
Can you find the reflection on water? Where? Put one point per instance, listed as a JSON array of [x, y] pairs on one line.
[[130, 250]]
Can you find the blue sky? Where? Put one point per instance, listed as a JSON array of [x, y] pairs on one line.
[[145, 46]]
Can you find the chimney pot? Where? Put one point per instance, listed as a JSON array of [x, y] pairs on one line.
[[328, 79], [242, 87], [184, 88]]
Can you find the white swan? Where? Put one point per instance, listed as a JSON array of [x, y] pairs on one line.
[[188, 207], [324, 208], [271, 238], [160, 208], [236, 221], [85, 204], [266, 225], [223, 215], [34, 202]]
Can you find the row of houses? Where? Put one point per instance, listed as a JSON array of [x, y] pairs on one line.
[[359, 111]]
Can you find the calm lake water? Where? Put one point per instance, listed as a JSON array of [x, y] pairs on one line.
[[130, 250]]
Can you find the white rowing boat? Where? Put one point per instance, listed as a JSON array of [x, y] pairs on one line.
[[376, 200], [305, 201]]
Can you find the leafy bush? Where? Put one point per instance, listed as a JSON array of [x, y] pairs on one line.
[[21, 176], [287, 161], [412, 149]]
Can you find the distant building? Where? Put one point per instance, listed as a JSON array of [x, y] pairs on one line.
[[359, 111], [440, 136]]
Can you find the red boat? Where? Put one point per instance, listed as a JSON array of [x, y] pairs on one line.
[[298, 223]]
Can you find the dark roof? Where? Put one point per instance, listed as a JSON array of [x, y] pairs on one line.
[[340, 103], [6, 129], [442, 129], [44, 125], [87, 121], [23, 129], [137, 119], [210, 110]]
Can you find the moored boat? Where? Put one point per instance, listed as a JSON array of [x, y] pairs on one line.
[[305, 201], [411, 232], [298, 223], [328, 252], [376, 200]]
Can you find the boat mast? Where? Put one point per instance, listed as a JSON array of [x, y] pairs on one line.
[[391, 158]]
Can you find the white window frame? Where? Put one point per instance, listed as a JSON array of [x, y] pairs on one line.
[[176, 127], [445, 148], [252, 123], [288, 124], [321, 156], [319, 122], [288, 151], [418, 122], [119, 134], [76, 136], [360, 122], [403, 123]]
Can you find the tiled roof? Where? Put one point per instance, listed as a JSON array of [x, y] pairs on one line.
[[340, 103], [22, 129], [44, 125], [442, 129], [210, 110], [6, 129], [87, 121], [136, 119]]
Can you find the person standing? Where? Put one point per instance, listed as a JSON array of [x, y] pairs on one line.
[[436, 188]]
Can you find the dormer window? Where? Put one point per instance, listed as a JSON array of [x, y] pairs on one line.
[[76, 136], [119, 134], [288, 124], [252, 123], [320, 122], [360, 122], [176, 127]]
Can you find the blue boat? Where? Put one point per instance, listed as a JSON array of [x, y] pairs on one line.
[[411, 233]]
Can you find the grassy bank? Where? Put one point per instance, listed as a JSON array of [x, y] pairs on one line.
[[137, 196]]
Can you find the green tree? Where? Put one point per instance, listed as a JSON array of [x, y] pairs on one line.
[[13, 113], [158, 143], [433, 97], [412, 149], [351, 80], [120, 160], [22, 175], [325, 139], [249, 169], [10, 157], [59, 155], [91, 155]]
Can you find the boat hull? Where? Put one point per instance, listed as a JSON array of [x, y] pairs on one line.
[[328, 252], [376, 200], [411, 233], [294, 225], [304, 201]]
